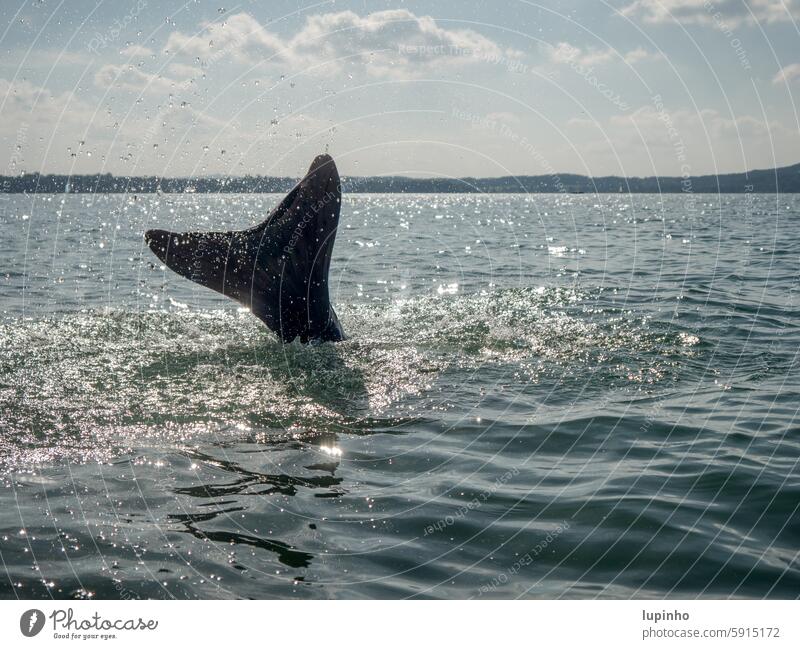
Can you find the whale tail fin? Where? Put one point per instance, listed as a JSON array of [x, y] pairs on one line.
[[279, 268]]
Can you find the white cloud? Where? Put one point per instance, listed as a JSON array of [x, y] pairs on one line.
[[640, 54], [183, 71], [129, 77], [722, 14], [703, 140], [566, 53], [136, 50], [42, 130], [787, 74], [562, 52], [387, 43], [21, 102], [239, 36], [46, 58], [395, 35]]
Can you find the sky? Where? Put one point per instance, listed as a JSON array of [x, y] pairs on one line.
[[437, 88]]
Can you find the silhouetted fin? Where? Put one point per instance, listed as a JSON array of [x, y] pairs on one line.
[[278, 269]]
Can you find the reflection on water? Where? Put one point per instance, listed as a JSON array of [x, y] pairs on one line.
[[253, 483]]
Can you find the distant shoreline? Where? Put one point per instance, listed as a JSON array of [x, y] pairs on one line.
[[785, 180]]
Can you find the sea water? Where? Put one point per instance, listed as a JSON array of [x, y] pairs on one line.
[[556, 395]]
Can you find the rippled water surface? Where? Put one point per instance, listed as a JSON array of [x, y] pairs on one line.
[[541, 396]]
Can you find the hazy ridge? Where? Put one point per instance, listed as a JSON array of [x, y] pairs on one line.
[[782, 179]]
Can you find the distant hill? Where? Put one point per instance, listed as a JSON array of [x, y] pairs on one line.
[[783, 179]]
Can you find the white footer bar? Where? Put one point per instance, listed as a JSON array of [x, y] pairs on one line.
[[355, 624]]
